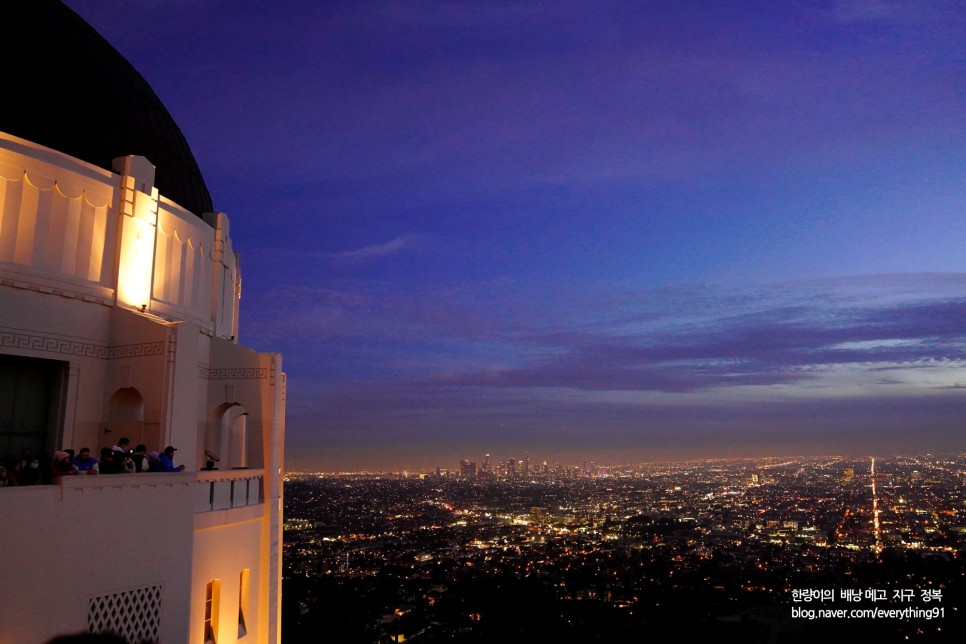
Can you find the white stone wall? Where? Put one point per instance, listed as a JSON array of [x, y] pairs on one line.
[[61, 221], [138, 295], [90, 537], [55, 219]]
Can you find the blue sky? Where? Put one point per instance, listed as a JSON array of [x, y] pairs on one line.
[[592, 230]]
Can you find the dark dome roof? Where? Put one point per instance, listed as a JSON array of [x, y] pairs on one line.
[[76, 94]]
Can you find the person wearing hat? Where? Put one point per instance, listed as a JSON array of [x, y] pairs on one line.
[[167, 460], [109, 462], [62, 466]]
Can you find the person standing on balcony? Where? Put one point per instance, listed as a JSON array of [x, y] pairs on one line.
[[167, 460], [62, 466], [23, 468], [85, 463], [30, 472], [110, 462], [140, 458]]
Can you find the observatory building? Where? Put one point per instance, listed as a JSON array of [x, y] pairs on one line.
[[119, 292]]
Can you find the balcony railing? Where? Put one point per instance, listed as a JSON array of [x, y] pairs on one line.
[[227, 489], [208, 490]]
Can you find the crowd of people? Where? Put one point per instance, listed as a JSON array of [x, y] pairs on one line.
[[30, 469]]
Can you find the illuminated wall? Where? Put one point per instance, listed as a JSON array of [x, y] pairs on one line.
[[138, 298], [56, 223], [60, 221]]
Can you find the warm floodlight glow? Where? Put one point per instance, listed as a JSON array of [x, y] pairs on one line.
[[137, 255]]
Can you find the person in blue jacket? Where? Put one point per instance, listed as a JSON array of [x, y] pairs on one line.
[[167, 460]]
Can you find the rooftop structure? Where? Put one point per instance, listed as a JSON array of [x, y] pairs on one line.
[[119, 291]]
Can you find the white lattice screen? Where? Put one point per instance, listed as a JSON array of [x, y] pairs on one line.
[[132, 614]]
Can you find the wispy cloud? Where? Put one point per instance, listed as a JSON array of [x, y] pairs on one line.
[[864, 10], [374, 251], [889, 11], [839, 362], [776, 345], [678, 341]]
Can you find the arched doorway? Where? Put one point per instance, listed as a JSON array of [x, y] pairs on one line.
[[125, 417], [238, 442], [230, 440]]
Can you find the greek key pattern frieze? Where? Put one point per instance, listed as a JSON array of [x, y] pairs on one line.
[[50, 345], [141, 350], [76, 348], [237, 373]]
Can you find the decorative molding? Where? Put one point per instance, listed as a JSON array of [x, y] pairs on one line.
[[141, 350], [51, 345], [98, 193], [62, 292], [234, 373], [64, 346]]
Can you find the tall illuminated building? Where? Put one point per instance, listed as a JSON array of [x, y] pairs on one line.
[[467, 469], [119, 292]]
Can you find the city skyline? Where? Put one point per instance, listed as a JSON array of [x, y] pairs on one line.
[[635, 230], [690, 550], [506, 466]]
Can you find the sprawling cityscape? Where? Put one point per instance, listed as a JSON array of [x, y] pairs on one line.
[[769, 550]]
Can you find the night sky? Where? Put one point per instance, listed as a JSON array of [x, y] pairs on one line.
[[590, 230]]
